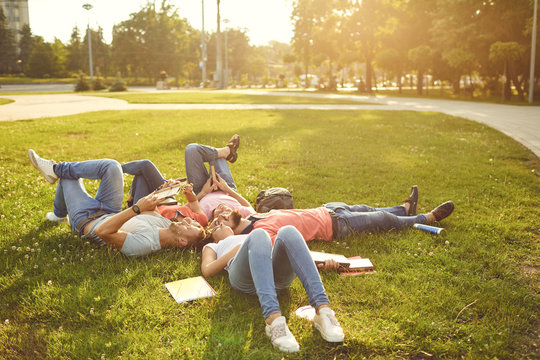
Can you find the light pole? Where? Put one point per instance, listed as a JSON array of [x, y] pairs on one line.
[[87, 7], [533, 53], [219, 65], [203, 51], [226, 75]]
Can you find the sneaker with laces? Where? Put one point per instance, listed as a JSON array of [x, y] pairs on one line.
[[328, 326], [281, 337], [52, 217], [45, 167]]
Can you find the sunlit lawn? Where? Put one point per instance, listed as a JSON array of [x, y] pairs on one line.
[[471, 294], [5, 101], [215, 97]]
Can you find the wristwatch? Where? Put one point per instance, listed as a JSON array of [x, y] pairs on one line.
[[136, 209]]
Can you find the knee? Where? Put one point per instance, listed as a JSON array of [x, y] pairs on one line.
[[191, 148], [112, 166], [289, 232], [259, 238]]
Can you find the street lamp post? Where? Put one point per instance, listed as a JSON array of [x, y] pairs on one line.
[[87, 7], [533, 53], [203, 51], [226, 74], [219, 65]]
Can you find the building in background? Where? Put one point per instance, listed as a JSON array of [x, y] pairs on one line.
[[16, 12]]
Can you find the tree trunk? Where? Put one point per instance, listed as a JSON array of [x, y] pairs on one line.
[[518, 86], [399, 82], [420, 81], [507, 93], [457, 85], [369, 74]]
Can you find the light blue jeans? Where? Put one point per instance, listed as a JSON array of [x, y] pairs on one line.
[[71, 197], [260, 269], [197, 173], [363, 218], [147, 178]]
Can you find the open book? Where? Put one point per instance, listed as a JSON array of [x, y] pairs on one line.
[[169, 191], [190, 289], [348, 266]]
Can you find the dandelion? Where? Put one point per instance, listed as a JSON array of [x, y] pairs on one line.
[[431, 253], [6, 321], [27, 249], [91, 311], [55, 259], [32, 250], [82, 259], [35, 266], [36, 244], [26, 256], [49, 283], [447, 242], [14, 248], [61, 328]]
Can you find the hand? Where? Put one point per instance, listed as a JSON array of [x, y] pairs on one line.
[[207, 188], [222, 184], [148, 203], [188, 189], [329, 264]]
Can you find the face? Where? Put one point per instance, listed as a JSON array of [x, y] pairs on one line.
[[221, 209], [221, 232], [187, 230]]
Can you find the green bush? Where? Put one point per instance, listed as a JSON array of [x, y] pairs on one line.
[[118, 85], [98, 84], [82, 84]]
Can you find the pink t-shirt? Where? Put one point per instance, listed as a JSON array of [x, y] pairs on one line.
[[210, 201], [313, 224]]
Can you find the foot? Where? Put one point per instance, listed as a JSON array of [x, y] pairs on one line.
[[442, 211], [233, 145], [328, 326], [281, 337], [412, 200], [45, 167], [59, 220]]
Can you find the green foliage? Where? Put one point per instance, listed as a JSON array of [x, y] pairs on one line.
[[82, 84], [471, 294], [8, 51], [98, 84], [118, 85], [43, 62]]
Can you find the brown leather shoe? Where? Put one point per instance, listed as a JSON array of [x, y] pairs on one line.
[[443, 211], [233, 145], [412, 200]]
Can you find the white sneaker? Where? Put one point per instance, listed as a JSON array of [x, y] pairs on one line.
[[281, 337], [52, 217], [328, 326], [45, 167]]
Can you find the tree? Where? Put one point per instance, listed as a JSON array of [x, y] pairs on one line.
[[461, 62], [420, 57], [42, 62], [100, 52], [390, 61], [303, 18], [74, 52], [506, 54], [25, 46], [8, 53]]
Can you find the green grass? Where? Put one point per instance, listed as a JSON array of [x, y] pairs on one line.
[[5, 101], [26, 80], [195, 97], [415, 306]]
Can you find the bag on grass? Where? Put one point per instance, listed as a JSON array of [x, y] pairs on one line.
[[273, 199]]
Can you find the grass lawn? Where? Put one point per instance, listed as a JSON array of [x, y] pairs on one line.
[[5, 101], [195, 97], [470, 294]]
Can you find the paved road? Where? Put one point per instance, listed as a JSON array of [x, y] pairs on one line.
[[519, 122]]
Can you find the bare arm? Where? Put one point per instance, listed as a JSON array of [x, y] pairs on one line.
[[206, 189], [108, 230], [193, 202], [210, 265]]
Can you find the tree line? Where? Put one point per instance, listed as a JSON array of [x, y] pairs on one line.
[[471, 42]]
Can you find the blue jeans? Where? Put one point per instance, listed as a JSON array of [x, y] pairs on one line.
[[363, 218], [147, 178], [260, 269], [71, 197], [197, 173]]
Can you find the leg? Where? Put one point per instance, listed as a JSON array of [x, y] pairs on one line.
[[147, 178], [195, 157], [355, 222], [398, 210], [290, 256], [251, 271]]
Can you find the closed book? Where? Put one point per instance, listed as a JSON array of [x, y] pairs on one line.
[[190, 289]]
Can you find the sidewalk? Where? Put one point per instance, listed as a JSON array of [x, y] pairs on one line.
[[519, 122]]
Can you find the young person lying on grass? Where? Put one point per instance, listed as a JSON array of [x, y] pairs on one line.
[[138, 230], [336, 219], [258, 265]]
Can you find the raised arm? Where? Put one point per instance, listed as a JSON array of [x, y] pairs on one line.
[[223, 186], [108, 230], [211, 265], [193, 202]]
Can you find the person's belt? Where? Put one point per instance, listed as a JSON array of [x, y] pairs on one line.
[[89, 219], [334, 218]]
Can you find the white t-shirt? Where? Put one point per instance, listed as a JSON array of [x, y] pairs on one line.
[[143, 234], [223, 246]]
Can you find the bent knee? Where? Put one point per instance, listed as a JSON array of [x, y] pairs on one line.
[[288, 231]]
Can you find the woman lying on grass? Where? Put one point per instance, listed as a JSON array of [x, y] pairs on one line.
[[255, 267]]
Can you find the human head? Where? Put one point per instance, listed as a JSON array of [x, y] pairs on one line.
[[187, 232], [221, 232], [229, 218], [220, 209]]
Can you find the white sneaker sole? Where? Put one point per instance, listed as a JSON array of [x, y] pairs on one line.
[[328, 337], [32, 155]]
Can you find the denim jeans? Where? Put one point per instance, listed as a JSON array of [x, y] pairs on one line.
[[147, 178], [363, 218], [197, 173], [260, 269], [71, 197]]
